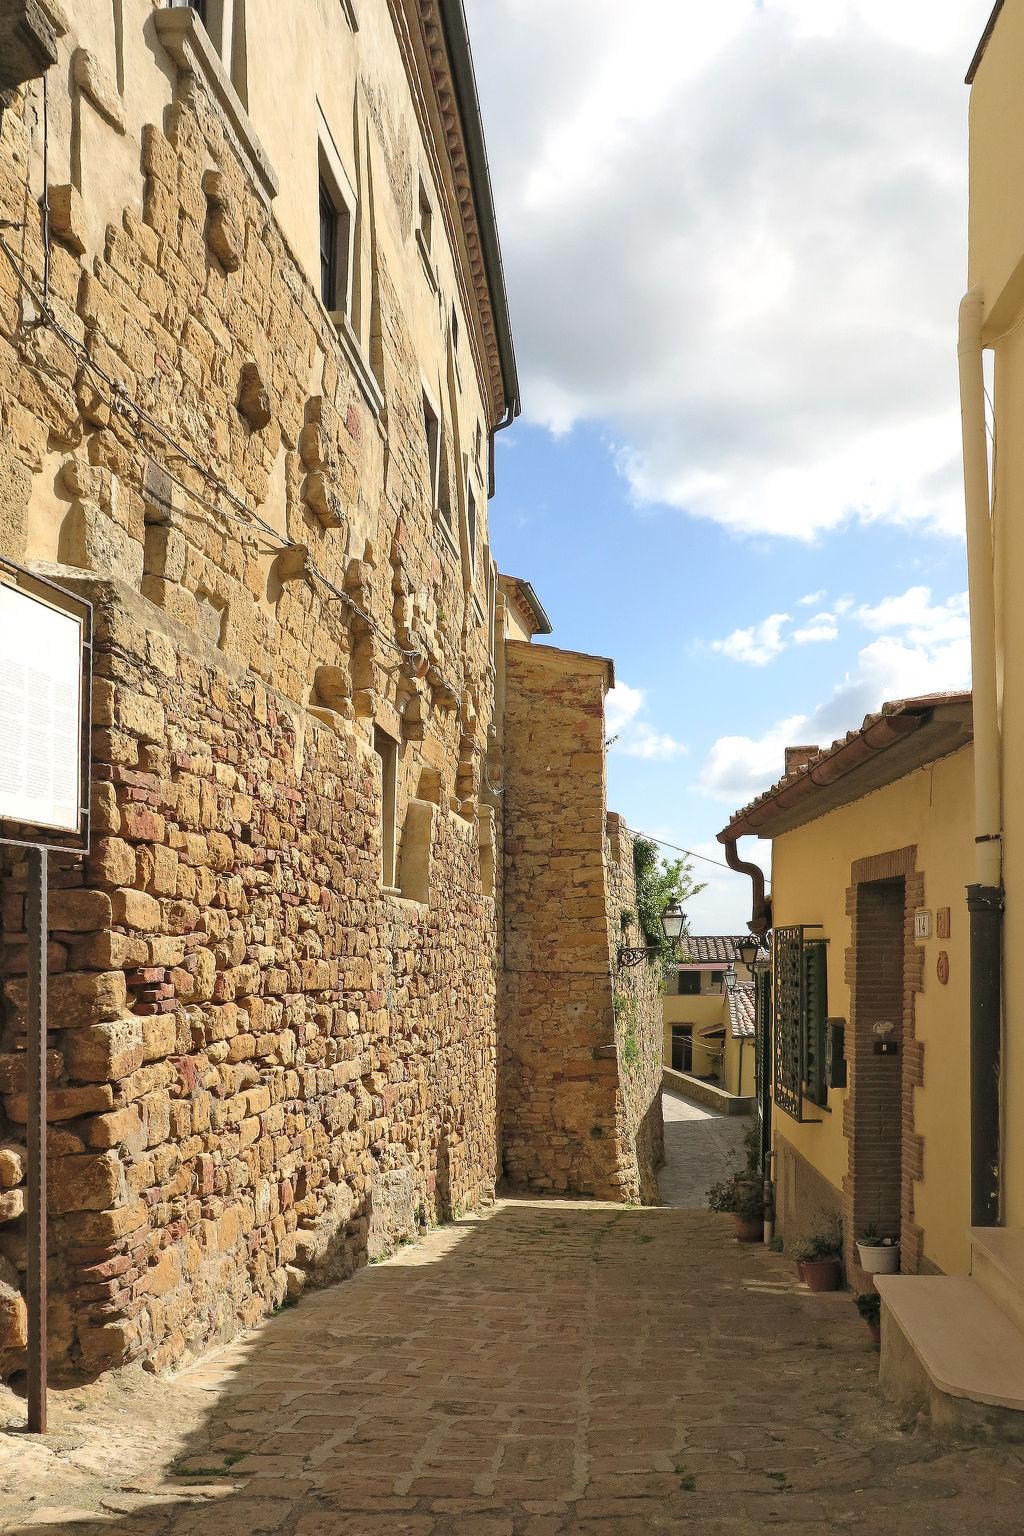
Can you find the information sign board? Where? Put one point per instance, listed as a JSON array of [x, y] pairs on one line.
[[40, 712]]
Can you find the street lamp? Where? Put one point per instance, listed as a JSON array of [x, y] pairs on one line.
[[673, 921], [747, 951]]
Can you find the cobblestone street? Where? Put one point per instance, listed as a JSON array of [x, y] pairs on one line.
[[701, 1148], [550, 1368]]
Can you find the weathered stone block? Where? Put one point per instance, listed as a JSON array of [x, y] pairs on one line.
[[111, 863], [67, 216], [254, 398], [62, 1103], [136, 909], [28, 43], [79, 911], [104, 1052]]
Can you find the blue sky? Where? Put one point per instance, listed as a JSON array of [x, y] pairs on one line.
[[651, 589], [734, 247]]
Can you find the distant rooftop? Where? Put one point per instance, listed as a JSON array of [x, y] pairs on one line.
[[712, 948], [741, 1010]]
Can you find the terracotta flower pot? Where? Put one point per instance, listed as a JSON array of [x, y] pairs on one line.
[[749, 1229], [820, 1274]]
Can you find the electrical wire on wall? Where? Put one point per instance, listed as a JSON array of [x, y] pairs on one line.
[[131, 411]]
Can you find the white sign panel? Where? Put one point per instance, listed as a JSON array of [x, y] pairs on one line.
[[40, 712]]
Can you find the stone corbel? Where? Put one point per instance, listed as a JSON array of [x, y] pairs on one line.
[[28, 43]]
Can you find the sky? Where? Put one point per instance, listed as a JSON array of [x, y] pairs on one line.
[[734, 239]]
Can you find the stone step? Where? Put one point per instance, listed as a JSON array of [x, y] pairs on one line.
[[997, 1264], [949, 1349]]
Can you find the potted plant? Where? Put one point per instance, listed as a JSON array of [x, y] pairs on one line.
[[878, 1255], [818, 1254], [869, 1305], [744, 1202]]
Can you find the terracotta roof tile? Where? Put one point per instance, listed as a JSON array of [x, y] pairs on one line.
[[706, 948], [741, 1011]]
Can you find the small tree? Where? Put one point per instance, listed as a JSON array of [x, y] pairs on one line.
[[658, 882]]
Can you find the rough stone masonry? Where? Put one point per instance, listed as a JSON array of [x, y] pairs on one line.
[[266, 1063]]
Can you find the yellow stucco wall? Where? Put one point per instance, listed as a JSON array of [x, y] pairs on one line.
[[997, 268], [739, 1065], [811, 872], [703, 1012]]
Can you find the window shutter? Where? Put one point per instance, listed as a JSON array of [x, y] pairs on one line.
[[815, 1014]]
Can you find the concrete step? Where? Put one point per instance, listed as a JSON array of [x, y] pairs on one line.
[[949, 1350], [997, 1264]]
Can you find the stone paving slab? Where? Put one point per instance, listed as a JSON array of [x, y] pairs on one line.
[[550, 1369], [702, 1147]]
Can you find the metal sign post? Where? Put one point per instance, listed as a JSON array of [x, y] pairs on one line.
[[45, 717], [36, 904]]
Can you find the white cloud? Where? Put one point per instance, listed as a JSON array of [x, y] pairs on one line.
[[925, 622], [621, 706], [756, 646], [891, 667], [812, 599], [821, 627], [738, 767], [733, 234], [635, 737]]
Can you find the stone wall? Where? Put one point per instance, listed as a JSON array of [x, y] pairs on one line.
[[577, 1103], [263, 1065], [253, 1047], [637, 1007]]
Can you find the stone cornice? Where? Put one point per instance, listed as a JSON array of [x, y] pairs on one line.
[[486, 288]]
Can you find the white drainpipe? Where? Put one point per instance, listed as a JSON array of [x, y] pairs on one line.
[[985, 895], [987, 806]]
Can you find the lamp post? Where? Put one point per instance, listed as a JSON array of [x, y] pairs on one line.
[[673, 921], [747, 952]]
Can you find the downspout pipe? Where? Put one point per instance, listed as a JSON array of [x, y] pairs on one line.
[[985, 894], [761, 911]]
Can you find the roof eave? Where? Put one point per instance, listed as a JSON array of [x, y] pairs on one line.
[[456, 30], [979, 52], [772, 813]]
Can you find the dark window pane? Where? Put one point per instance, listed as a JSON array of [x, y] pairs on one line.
[[328, 248]]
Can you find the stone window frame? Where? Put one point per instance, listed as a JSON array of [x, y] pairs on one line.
[[387, 750], [335, 181], [435, 441], [424, 230], [185, 38], [897, 863]]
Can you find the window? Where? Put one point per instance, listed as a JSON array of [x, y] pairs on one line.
[[336, 229], [815, 1014], [328, 247], [424, 229], [799, 1013], [715, 980], [432, 428], [199, 6], [689, 983], [682, 1047], [386, 749], [471, 524]]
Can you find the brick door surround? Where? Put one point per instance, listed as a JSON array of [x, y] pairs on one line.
[[862, 910]]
